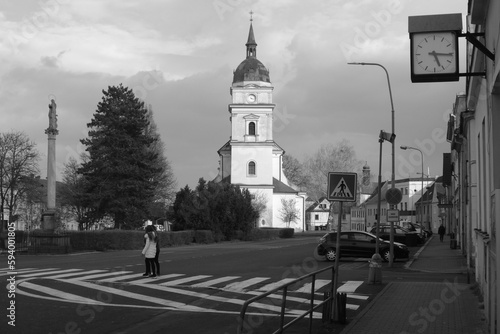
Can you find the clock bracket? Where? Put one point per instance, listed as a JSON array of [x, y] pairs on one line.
[[471, 38]]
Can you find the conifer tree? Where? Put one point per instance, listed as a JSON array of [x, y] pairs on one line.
[[121, 166]]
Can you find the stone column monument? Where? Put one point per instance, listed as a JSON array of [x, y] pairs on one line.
[[48, 216]]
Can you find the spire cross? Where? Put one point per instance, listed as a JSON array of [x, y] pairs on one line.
[[251, 16]]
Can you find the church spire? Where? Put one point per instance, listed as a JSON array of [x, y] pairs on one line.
[[251, 44]]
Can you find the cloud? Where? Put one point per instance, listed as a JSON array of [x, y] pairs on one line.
[[179, 56]]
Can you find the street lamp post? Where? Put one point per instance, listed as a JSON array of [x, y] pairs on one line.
[[422, 179], [393, 179]]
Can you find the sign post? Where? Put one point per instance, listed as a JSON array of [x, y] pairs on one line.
[[340, 187]]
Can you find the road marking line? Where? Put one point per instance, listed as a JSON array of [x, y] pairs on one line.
[[150, 279], [59, 294], [349, 286], [318, 285], [215, 281], [185, 280], [225, 300], [137, 296], [119, 278], [360, 297], [240, 286], [73, 274], [274, 285], [48, 273], [91, 277]]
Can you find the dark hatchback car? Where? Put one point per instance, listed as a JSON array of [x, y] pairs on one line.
[[358, 244]]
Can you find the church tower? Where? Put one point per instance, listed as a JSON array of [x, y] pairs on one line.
[[251, 158]]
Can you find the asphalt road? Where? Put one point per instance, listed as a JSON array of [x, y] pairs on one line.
[[201, 288]]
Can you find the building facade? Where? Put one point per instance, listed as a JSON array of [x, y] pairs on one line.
[[411, 190], [251, 158], [475, 156]]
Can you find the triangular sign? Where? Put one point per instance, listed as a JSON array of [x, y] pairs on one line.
[[341, 190]]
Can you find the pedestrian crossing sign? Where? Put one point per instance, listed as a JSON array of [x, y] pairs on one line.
[[342, 187]]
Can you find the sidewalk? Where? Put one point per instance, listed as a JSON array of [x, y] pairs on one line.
[[424, 307]]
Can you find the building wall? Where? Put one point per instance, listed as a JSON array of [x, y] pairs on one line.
[[479, 159]]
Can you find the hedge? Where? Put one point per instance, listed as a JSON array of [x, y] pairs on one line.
[[105, 240]]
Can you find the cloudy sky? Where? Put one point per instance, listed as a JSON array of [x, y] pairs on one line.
[[179, 56]]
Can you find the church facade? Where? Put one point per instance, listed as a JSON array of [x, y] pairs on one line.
[[251, 158]]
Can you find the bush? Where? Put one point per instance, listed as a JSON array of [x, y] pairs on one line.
[[203, 237], [286, 233], [104, 240]]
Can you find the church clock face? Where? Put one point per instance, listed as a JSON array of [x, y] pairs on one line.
[[251, 98]]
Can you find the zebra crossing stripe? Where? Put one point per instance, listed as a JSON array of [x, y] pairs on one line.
[[137, 296], [185, 280], [59, 294], [47, 272], [150, 279], [91, 277], [317, 285], [215, 281], [73, 274], [236, 301], [10, 272], [274, 285], [240, 286], [349, 286], [119, 278]]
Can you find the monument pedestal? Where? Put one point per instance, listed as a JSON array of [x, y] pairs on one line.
[[49, 220]]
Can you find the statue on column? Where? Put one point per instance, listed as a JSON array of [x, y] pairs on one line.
[[52, 129]]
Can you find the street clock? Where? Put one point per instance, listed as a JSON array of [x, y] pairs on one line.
[[434, 47]]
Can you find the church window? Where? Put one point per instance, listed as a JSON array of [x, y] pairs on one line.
[[251, 128], [251, 168]]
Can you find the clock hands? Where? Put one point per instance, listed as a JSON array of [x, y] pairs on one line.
[[436, 54]]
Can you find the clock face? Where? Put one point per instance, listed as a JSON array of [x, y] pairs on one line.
[[251, 98], [434, 53]]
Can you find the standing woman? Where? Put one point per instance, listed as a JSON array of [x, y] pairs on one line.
[[149, 250], [157, 255]]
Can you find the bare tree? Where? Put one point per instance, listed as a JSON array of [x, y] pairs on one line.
[[330, 158], [289, 212], [73, 195], [259, 201], [295, 172], [18, 166]]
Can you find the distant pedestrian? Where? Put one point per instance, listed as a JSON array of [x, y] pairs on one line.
[[441, 232], [149, 251]]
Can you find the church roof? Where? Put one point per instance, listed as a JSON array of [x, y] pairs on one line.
[[282, 188], [278, 186], [251, 69]]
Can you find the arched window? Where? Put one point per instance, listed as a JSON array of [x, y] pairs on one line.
[[251, 168], [251, 128]]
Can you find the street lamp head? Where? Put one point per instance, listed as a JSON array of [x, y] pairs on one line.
[[404, 147]]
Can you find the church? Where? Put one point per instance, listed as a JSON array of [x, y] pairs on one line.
[[251, 158]]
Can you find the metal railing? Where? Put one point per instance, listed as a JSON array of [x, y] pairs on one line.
[[327, 301], [43, 242]]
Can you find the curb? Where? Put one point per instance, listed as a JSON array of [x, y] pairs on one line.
[[417, 254]]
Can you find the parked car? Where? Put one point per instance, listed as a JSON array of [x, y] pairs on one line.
[[427, 232], [401, 234], [358, 244], [414, 227]]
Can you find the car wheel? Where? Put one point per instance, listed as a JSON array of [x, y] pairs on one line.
[[386, 255], [331, 254]]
